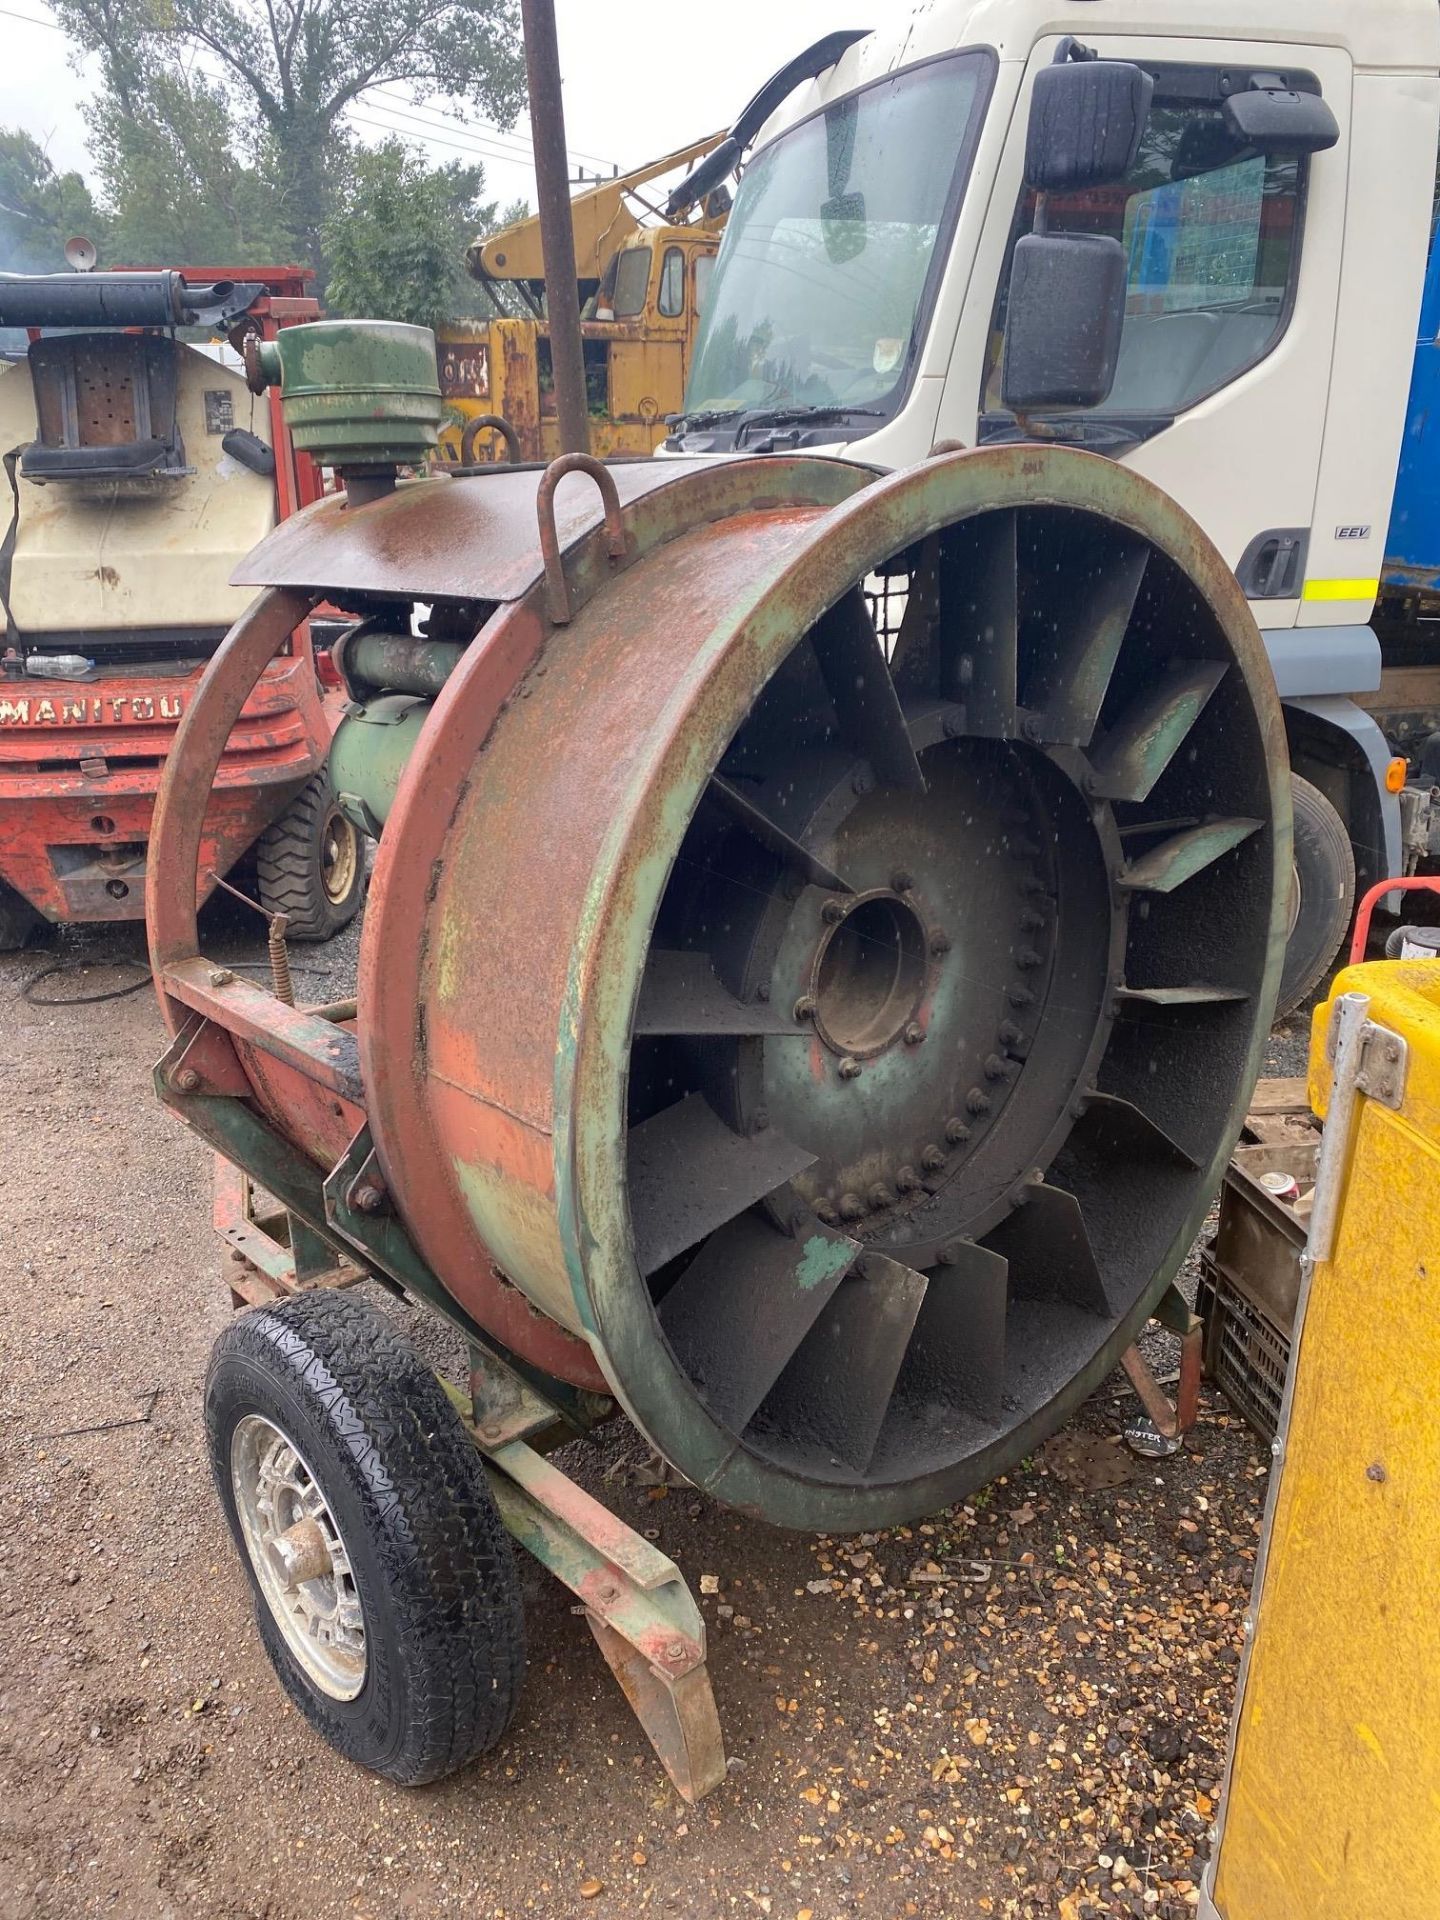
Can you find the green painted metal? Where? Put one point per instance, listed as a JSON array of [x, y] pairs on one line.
[[1180, 858], [369, 753], [355, 393], [1139, 748]]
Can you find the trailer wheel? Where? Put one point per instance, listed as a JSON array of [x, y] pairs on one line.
[[1324, 894], [310, 864], [384, 1584]]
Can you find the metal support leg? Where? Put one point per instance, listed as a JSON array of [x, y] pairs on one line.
[[1166, 1424], [644, 1617]]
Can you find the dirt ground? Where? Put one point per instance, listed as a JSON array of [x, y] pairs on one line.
[[1020, 1708]]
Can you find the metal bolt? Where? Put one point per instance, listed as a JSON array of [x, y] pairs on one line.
[[369, 1199], [1031, 921], [675, 1650], [220, 976], [902, 880], [932, 1159], [967, 670], [1030, 729], [1010, 1035], [491, 1430], [762, 993], [805, 1007], [996, 1068], [880, 1196], [1247, 1626], [949, 1256], [187, 1080], [978, 1101], [761, 1120], [1276, 1449], [1028, 958], [863, 781], [832, 911], [939, 943], [953, 723], [914, 1034], [849, 1068], [1020, 997], [956, 1130], [824, 1211], [852, 1207], [605, 1595], [907, 1179]]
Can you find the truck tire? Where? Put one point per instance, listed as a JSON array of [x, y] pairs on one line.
[[383, 1579], [1324, 896], [310, 864]]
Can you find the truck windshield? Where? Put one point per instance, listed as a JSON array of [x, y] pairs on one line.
[[827, 269]]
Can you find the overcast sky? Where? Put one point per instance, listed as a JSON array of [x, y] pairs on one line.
[[635, 88]]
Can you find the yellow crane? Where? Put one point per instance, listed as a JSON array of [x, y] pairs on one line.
[[642, 281]]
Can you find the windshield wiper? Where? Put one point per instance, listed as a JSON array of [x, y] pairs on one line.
[[794, 416], [697, 422]]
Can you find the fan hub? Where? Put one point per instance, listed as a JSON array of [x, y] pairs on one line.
[[870, 974]]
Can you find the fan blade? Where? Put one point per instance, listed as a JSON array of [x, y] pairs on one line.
[[979, 604], [857, 678], [1113, 1124], [690, 1173], [839, 1386], [742, 1307], [1174, 861], [958, 1353], [1048, 1247], [773, 836], [1196, 996], [1140, 746], [912, 659], [1067, 684], [681, 993]]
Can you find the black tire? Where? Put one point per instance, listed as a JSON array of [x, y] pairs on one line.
[[18, 920], [310, 864], [1325, 889], [431, 1563]]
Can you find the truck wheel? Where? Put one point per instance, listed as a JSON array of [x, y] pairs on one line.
[[310, 864], [383, 1579], [1324, 894], [18, 920]]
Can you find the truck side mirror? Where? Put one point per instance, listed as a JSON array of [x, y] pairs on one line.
[[1086, 119], [1062, 329], [1280, 122]]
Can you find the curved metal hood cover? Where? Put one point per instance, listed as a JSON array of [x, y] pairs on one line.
[[470, 539]]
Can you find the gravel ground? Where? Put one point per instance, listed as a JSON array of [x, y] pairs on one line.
[[1020, 1708]]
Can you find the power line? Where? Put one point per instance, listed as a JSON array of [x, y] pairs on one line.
[[481, 127], [437, 139], [520, 156]]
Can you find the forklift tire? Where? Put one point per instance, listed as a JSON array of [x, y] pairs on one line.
[[18, 920], [384, 1582], [310, 864], [1324, 896]]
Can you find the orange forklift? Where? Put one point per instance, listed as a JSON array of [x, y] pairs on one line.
[[139, 470]]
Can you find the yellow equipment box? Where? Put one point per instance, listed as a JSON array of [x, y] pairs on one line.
[[1332, 1804]]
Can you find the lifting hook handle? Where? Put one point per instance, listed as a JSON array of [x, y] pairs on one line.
[[488, 423], [557, 587]]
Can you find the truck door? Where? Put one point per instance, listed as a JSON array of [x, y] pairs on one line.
[[1233, 274]]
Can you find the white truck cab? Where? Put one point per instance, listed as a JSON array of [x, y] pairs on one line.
[[862, 299]]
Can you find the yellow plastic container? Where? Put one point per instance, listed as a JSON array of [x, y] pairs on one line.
[[1332, 1806]]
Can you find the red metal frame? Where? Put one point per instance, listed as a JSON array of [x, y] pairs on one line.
[[1419, 883], [82, 760]]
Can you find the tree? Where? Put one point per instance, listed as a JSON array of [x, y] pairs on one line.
[[179, 183], [40, 209], [287, 72], [396, 238]]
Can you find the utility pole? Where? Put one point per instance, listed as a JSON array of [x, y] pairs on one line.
[[557, 232]]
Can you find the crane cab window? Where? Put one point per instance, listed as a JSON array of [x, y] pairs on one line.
[[672, 284], [704, 267], [1211, 233], [626, 283]]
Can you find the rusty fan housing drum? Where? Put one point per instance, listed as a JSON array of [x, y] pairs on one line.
[[844, 963]]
